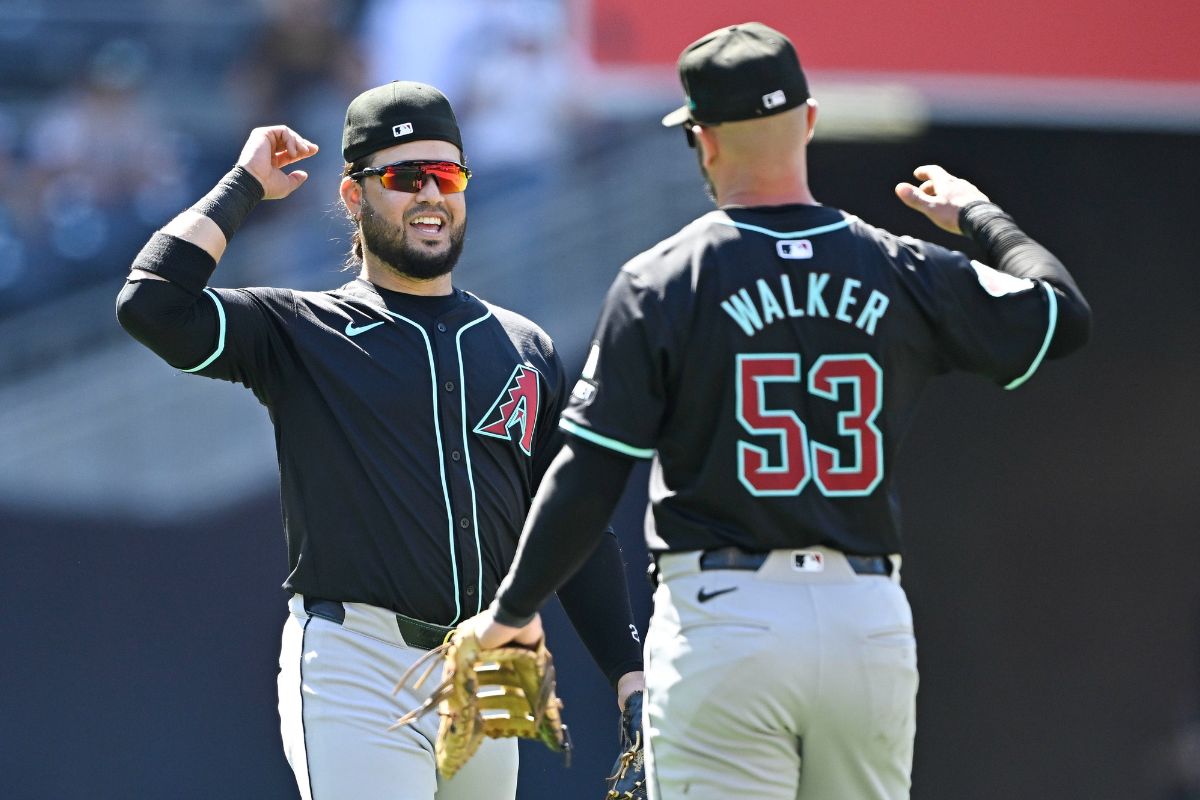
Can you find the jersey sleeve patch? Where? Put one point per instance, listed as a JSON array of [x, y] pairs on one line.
[[997, 283]]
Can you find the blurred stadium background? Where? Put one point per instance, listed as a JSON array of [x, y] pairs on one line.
[[1053, 533]]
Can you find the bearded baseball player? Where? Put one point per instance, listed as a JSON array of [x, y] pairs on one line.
[[768, 358], [413, 423]]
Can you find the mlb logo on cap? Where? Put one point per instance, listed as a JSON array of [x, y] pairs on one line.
[[403, 129]]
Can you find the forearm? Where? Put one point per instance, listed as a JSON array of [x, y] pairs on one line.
[[596, 599], [568, 517], [1011, 250], [162, 305]]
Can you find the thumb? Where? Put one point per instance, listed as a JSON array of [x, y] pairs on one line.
[[296, 178], [913, 197]]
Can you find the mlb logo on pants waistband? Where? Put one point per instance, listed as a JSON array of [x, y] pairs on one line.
[[808, 561]]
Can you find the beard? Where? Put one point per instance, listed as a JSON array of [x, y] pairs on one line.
[[412, 259]]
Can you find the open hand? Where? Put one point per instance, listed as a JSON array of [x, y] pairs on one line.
[[940, 197], [267, 151]]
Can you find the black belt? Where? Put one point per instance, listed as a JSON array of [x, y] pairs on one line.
[[422, 635], [735, 558]]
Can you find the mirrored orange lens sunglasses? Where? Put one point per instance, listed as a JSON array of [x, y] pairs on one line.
[[410, 176]]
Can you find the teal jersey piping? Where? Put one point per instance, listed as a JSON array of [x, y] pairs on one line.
[[604, 441], [833, 226], [1050, 326], [437, 429], [462, 385], [220, 333]]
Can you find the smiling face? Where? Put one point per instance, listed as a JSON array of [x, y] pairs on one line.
[[416, 235]]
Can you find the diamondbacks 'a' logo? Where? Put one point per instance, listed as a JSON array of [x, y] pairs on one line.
[[517, 406]]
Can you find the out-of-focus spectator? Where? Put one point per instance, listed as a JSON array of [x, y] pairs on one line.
[[301, 55], [98, 155], [403, 41], [505, 64], [301, 69], [516, 104]]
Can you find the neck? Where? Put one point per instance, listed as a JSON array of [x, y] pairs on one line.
[[385, 277], [763, 185]]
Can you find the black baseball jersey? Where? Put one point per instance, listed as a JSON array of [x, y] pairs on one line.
[[411, 433], [769, 360]]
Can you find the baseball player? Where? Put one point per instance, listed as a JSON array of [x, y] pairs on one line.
[[768, 358], [413, 422]]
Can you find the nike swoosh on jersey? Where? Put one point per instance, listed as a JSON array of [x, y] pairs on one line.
[[703, 596], [353, 331]]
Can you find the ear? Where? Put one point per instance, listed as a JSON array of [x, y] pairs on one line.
[[811, 103], [351, 192], [706, 141]]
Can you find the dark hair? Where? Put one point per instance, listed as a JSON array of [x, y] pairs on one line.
[[354, 258]]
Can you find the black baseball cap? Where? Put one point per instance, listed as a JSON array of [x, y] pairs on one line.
[[397, 112], [740, 72]]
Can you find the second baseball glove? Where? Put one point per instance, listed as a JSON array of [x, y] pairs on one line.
[[628, 781], [502, 692]]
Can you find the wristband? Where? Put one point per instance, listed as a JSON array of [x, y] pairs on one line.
[[231, 200], [505, 617], [975, 214]]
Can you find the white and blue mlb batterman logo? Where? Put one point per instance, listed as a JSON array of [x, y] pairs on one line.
[[808, 561], [794, 248], [517, 406]]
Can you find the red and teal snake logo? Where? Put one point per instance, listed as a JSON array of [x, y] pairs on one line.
[[516, 407]]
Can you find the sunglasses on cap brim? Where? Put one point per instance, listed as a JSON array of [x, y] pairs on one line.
[[410, 176]]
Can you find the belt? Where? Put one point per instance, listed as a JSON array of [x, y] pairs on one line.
[[735, 558], [422, 635]]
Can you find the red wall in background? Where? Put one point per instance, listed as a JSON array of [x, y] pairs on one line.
[[1156, 40]]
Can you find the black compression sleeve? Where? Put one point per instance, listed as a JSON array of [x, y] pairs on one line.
[[1011, 250], [231, 200], [596, 599], [179, 261], [573, 505], [179, 326]]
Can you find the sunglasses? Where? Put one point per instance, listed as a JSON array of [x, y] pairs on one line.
[[410, 176], [687, 132]]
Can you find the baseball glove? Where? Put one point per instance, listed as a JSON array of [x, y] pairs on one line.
[[506, 691], [628, 781]]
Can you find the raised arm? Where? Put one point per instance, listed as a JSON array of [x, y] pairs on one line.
[[161, 303], [957, 206]]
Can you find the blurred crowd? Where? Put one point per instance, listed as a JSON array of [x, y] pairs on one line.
[[147, 104]]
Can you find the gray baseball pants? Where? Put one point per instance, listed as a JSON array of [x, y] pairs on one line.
[[796, 681]]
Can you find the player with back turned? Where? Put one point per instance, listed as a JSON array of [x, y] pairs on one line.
[[768, 357], [413, 423]]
